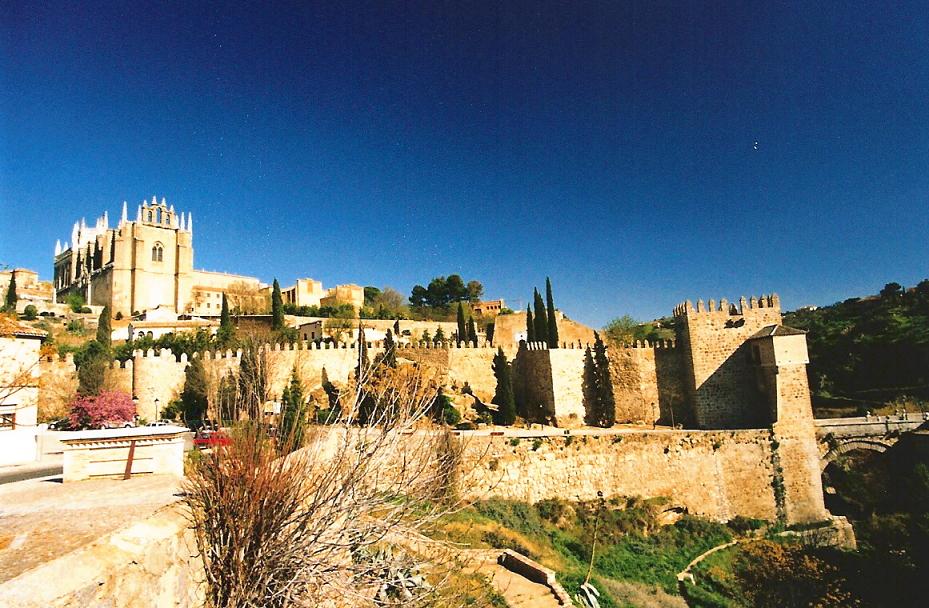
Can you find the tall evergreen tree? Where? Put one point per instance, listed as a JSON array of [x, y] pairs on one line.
[[277, 307], [252, 384], [503, 396], [195, 393], [489, 331], [293, 413], [104, 328], [390, 350], [92, 362], [550, 308], [397, 328], [225, 335], [439, 335], [539, 318], [426, 337], [361, 367], [606, 403], [9, 303], [462, 327], [591, 414], [530, 326], [472, 331]]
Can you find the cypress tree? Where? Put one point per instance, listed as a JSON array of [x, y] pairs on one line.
[[550, 307], [462, 327], [277, 307], [606, 404], [503, 396], [293, 413], [9, 304], [591, 414], [489, 331], [361, 369], [252, 385], [104, 329], [472, 331], [92, 362], [426, 337], [390, 350], [530, 326], [397, 328], [194, 396], [225, 335], [540, 319]]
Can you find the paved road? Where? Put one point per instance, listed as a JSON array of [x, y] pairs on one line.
[[33, 470]]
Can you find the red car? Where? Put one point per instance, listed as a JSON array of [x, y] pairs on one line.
[[210, 439]]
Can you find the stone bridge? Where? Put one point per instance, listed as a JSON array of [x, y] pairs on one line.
[[835, 436]]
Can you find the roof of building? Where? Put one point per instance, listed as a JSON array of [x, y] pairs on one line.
[[771, 331], [9, 326]]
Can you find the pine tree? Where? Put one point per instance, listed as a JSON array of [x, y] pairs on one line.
[[277, 307], [503, 396], [462, 327], [426, 337], [225, 335], [591, 414], [530, 326], [606, 403], [472, 331], [104, 329], [361, 368], [293, 413], [439, 335], [539, 318], [397, 328], [550, 308], [194, 396], [390, 350], [9, 304]]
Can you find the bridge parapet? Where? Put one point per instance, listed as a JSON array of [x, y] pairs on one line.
[[868, 427]]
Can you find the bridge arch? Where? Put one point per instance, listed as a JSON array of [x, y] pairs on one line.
[[875, 445]]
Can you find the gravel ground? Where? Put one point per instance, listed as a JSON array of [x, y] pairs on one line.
[[42, 519]]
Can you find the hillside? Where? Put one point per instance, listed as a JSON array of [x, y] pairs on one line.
[[868, 352]]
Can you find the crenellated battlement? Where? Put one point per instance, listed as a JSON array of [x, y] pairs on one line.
[[744, 307]]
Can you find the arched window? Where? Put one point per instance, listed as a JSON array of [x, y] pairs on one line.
[[158, 252]]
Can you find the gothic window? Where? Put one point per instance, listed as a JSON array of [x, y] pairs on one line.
[[158, 252]]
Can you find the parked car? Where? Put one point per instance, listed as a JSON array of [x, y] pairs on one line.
[[63, 424], [117, 424], [210, 439], [162, 422]]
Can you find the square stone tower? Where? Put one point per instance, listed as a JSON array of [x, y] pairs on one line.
[[718, 368]]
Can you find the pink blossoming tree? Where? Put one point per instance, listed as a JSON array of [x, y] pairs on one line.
[[95, 411]]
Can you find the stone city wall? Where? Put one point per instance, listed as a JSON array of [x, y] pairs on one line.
[[716, 474]]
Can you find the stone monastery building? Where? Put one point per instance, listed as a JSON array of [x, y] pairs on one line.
[[148, 263]]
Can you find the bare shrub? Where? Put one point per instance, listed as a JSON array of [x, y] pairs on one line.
[[339, 522]]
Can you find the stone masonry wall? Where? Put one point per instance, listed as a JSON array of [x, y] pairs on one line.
[[647, 383], [719, 376], [718, 474]]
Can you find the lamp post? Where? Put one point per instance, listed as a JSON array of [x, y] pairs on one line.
[[157, 409]]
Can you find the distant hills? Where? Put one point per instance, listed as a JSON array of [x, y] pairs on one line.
[[869, 351]]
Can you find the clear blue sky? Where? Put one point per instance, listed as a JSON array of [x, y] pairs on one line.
[[610, 145]]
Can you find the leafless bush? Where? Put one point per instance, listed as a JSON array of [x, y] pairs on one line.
[[339, 522]]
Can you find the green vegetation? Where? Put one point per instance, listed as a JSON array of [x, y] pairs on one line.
[[462, 326], [530, 326], [75, 302], [225, 335], [30, 313], [631, 546], [552, 322], [277, 307], [503, 397], [599, 402], [539, 318], [9, 301], [195, 396], [105, 328], [867, 351], [293, 413], [626, 330]]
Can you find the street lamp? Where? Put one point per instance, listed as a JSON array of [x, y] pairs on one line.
[[157, 409]]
